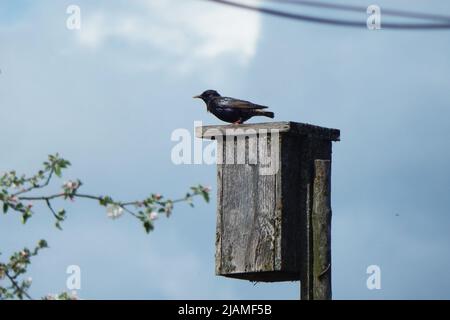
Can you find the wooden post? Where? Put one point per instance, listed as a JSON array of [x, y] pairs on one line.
[[315, 282], [274, 225], [321, 231]]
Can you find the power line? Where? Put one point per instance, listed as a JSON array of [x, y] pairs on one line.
[[343, 7], [336, 22]]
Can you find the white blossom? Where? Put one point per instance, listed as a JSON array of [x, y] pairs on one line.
[[114, 211], [168, 208], [153, 215], [71, 185]]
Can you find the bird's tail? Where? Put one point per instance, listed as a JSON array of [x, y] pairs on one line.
[[266, 114]]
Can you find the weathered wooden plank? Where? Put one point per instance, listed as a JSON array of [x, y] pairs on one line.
[[295, 128], [239, 211], [321, 230], [248, 224], [292, 204], [311, 150], [220, 155]]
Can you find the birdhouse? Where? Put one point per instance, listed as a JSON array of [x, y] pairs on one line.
[[265, 197]]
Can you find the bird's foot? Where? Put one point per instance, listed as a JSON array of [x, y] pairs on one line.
[[238, 122]]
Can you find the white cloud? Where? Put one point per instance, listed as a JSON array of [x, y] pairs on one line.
[[189, 31]]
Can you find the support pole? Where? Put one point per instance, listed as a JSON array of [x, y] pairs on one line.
[[321, 231]]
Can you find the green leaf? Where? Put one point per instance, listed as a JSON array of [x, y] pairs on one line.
[[58, 225], [25, 216], [57, 170], [148, 226], [61, 214], [104, 201], [205, 195], [5, 207], [42, 244]]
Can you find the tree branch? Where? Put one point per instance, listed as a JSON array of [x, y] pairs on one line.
[[51, 209], [39, 186], [17, 286]]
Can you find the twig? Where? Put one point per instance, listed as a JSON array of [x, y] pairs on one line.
[[129, 211], [123, 205], [39, 186], [51, 209], [16, 285], [87, 196]]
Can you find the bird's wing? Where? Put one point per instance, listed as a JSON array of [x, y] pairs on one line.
[[238, 104]]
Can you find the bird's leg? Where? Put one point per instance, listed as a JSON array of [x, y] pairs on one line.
[[238, 122]]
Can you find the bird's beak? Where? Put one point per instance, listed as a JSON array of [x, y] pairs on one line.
[[196, 97]]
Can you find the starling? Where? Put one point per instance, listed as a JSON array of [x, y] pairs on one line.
[[232, 110]]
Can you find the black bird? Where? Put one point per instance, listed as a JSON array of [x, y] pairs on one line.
[[232, 110]]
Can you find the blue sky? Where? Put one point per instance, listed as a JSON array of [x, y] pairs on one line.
[[108, 97]]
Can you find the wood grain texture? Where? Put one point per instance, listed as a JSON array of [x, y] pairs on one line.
[[321, 230], [248, 221], [264, 222], [296, 128]]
